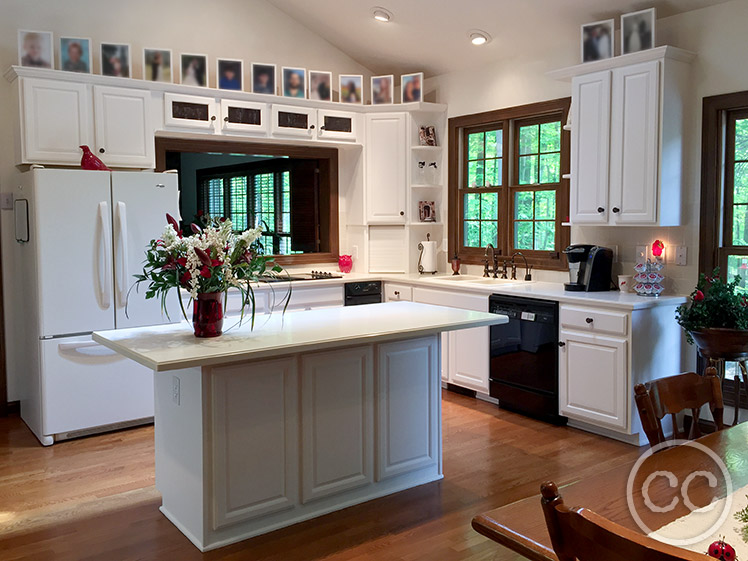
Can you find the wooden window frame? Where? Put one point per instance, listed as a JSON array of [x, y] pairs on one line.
[[507, 119], [328, 203]]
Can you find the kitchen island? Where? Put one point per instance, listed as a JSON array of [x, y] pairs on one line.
[[308, 413]]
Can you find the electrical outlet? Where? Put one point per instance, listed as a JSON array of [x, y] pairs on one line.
[[641, 254], [681, 255], [354, 252], [175, 392], [6, 201]]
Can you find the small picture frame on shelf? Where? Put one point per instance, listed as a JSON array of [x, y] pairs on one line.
[[320, 85], [115, 60], [427, 136], [638, 31], [263, 78], [382, 88], [351, 88], [598, 40], [230, 74], [411, 87], [294, 82], [157, 65], [35, 48], [75, 54], [193, 70], [426, 211]]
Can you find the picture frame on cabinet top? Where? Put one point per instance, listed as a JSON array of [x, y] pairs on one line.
[[115, 60], [75, 54], [35, 48], [157, 65], [193, 70], [230, 74], [411, 87], [351, 88], [294, 82], [638, 31], [598, 40], [263, 78], [382, 90], [320, 85]]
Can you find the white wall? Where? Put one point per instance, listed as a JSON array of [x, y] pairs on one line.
[[252, 30], [716, 34]]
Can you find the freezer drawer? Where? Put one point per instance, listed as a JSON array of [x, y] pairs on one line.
[[86, 385]]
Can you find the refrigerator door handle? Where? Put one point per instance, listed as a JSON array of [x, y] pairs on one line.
[[122, 272], [106, 256]]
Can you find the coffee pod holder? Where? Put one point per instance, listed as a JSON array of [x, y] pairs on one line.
[[648, 278]]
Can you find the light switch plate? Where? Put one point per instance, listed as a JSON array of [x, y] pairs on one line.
[[6, 201], [641, 254], [681, 255]]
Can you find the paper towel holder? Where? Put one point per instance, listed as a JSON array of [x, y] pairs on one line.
[[420, 257]]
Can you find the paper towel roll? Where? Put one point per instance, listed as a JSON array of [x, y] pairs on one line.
[[428, 258]]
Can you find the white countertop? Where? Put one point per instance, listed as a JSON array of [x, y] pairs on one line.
[[171, 347]]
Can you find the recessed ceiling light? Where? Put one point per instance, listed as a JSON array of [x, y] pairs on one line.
[[478, 37], [381, 14]]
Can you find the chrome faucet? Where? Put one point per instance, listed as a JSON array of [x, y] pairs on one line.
[[486, 268], [528, 269]]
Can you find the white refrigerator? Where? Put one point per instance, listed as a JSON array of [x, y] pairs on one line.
[[81, 237]]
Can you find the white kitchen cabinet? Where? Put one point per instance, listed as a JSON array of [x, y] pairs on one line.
[[394, 292], [593, 379], [306, 298], [294, 121], [55, 120], [190, 112], [337, 125], [386, 168], [245, 117], [124, 130]]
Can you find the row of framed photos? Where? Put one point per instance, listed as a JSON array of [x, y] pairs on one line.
[[36, 49], [637, 34]]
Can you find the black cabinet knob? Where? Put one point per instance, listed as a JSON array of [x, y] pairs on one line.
[[322, 128], [561, 344], [589, 320], [212, 117], [101, 150], [226, 119], [600, 209], [402, 213], [616, 209], [311, 127]]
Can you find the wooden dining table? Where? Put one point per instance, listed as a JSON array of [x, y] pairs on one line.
[[520, 526]]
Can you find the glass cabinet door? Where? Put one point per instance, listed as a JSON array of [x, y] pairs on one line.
[[244, 116], [294, 121], [337, 125], [187, 111]]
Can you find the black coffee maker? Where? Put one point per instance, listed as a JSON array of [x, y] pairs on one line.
[[589, 268]]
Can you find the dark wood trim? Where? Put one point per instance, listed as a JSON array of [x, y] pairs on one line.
[[329, 174], [13, 408], [4, 409]]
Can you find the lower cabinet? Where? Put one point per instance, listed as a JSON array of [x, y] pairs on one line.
[[397, 292]]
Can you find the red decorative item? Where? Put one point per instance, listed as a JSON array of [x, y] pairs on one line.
[[345, 263], [657, 248], [698, 296], [207, 314], [89, 160], [722, 550]]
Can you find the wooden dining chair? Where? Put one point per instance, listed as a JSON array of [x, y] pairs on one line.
[[580, 534], [671, 395]]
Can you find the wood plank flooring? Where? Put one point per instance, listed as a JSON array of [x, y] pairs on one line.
[[94, 499]]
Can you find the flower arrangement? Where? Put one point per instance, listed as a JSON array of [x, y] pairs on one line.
[[714, 303], [211, 260]]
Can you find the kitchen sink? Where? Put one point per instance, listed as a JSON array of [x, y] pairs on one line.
[[455, 278], [504, 282]]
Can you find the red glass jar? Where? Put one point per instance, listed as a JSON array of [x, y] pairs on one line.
[[345, 263], [207, 314]]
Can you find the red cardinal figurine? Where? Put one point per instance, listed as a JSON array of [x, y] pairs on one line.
[[91, 161]]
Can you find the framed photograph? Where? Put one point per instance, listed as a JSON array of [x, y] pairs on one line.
[[382, 90], [263, 78], [427, 136], [638, 31], [193, 70], [294, 82], [157, 65], [426, 211], [320, 85], [35, 48], [115, 60], [351, 88], [75, 54], [410, 87], [598, 40], [230, 74]]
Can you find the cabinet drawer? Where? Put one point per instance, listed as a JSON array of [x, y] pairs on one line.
[[594, 320], [478, 303], [397, 293], [308, 298]]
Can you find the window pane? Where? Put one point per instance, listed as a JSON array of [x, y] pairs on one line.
[[523, 205], [494, 144], [488, 233], [739, 230], [472, 207], [528, 139], [475, 174], [215, 197], [523, 235], [545, 236], [493, 172], [741, 139], [550, 168], [550, 137], [475, 145], [528, 170], [738, 265], [472, 233], [741, 182], [545, 205], [489, 206], [238, 205]]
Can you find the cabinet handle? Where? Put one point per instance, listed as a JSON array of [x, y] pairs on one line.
[[600, 209], [616, 209], [226, 119], [561, 344], [101, 150], [397, 293], [402, 213], [589, 320], [311, 127], [322, 128], [212, 117]]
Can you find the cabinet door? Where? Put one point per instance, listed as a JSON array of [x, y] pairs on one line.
[[56, 120], [294, 121], [124, 135], [189, 112], [593, 379], [337, 125], [397, 293], [469, 358], [247, 117], [590, 142], [634, 144], [385, 180]]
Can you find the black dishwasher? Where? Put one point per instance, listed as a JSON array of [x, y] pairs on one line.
[[524, 357], [364, 292]]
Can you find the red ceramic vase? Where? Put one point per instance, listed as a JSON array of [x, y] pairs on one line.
[[207, 314], [345, 263]]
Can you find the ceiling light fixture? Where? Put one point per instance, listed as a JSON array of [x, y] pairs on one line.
[[381, 14], [478, 37]]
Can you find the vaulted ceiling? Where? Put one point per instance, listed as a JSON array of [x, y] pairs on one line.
[[432, 35]]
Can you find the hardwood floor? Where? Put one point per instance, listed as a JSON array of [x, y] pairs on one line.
[[93, 499]]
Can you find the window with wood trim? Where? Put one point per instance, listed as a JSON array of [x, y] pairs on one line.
[[506, 186]]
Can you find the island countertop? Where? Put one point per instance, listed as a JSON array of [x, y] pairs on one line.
[[172, 347]]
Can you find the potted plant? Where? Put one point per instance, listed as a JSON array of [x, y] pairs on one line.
[[206, 264], [716, 318]]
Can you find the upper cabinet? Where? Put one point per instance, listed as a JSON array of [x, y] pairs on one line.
[[298, 122], [386, 168], [627, 138], [123, 125]]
